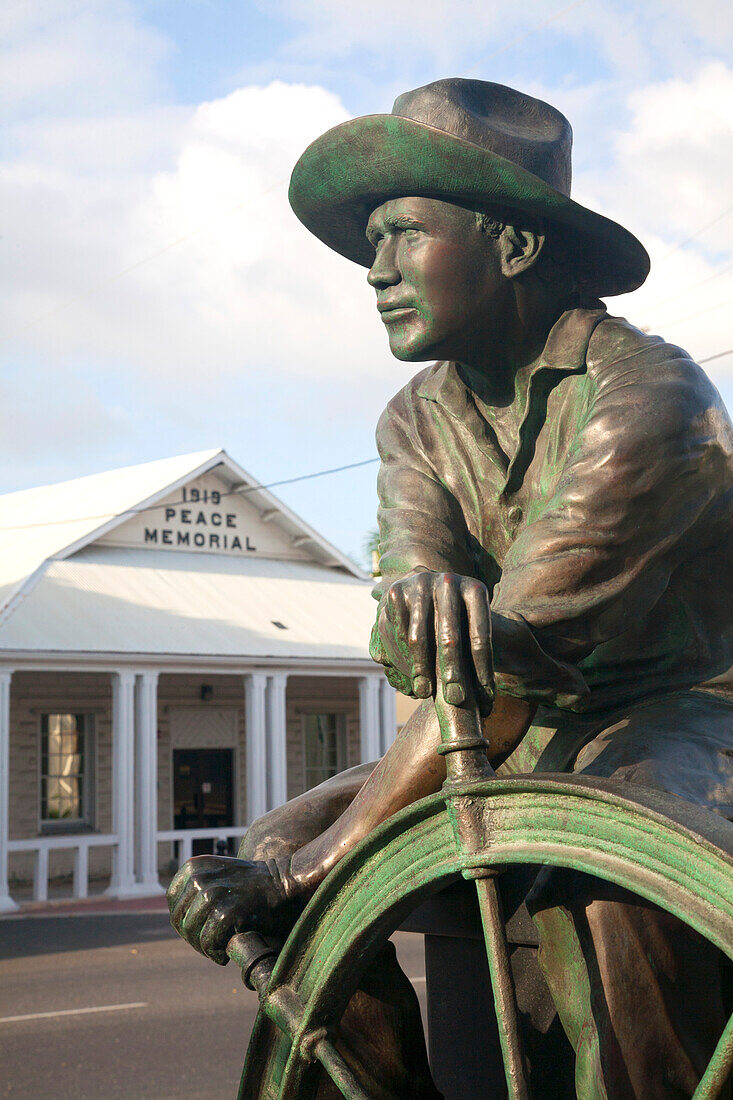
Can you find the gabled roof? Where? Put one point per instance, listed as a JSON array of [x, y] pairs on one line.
[[53, 522], [153, 603]]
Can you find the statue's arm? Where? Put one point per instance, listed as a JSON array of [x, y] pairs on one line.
[[647, 466], [287, 828]]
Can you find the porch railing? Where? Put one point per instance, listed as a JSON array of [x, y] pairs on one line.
[[78, 843], [185, 837]]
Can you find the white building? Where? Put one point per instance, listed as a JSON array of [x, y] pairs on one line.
[[179, 652]]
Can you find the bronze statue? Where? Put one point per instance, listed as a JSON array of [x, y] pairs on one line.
[[556, 509]]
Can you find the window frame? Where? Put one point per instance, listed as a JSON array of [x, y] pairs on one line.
[[86, 823], [342, 743]]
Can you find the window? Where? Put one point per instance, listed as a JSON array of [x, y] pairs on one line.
[[324, 739], [66, 747]]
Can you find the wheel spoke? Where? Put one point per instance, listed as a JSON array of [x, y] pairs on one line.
[[465, 750], [339, 1072], [502, 984], [719, 1067]]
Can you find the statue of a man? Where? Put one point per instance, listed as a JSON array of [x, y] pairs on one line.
[[556, 509]]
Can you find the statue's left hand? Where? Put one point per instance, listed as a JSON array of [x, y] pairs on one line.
[[213, 897]]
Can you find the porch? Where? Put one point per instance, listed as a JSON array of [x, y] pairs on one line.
[[110, 776]]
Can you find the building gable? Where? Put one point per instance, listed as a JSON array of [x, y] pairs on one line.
[[145, 505], [207, 515]]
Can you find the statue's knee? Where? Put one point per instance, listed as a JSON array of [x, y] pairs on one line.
[[643, 772], [555, 886], [265, 840], [562, 887]]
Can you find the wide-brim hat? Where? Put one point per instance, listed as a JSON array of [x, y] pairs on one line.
[[467, 141]]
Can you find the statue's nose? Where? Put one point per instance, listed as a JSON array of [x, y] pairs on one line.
[[384, 271]]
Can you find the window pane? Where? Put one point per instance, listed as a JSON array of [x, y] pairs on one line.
[[321, 749], [63, 767]]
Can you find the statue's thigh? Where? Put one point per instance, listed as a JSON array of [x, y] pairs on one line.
[[681, 744]]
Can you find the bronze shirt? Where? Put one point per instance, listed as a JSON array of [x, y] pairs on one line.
[[606, 537]]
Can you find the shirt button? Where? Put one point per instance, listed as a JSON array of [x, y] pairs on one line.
[[514, 516]]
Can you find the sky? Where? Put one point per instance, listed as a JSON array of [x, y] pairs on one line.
[[161, 298]]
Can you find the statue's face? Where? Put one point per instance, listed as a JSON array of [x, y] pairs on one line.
[[440, 288]]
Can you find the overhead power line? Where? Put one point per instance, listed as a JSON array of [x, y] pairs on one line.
[[170, 503], [718, 355], [525, 36], [698, 313], [96, 287], [268, 485], [693, 286], [692, 236]]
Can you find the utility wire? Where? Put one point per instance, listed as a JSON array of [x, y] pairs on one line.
[[690, 316], [146, 259], [718, 355], [525, 36], [686, 240], [269, 485], [171, 503], [694, 286]]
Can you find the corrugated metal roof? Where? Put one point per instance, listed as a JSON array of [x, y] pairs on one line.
[[111, 600], [39, 526], [36, 524]]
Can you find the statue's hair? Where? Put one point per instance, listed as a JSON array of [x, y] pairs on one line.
[[557, 263]]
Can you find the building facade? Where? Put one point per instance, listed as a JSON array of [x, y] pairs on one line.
[[179, 653]]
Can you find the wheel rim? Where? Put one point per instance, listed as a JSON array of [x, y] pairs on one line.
[[658, 846]]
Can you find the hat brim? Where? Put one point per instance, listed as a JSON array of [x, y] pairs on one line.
[[353, 168]]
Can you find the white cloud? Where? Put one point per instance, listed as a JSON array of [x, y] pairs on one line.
[[114, 177], [454, 34], [252, 290], [670, 177], [677, 148], [60, 56]]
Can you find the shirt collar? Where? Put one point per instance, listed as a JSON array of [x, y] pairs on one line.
[[564, 352]]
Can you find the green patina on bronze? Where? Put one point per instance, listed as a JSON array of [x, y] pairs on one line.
[[556, 519], [673, 854], [351, 169]]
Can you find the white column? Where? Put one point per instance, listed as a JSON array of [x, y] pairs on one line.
[[256, 732], [369, 717], [388, 714], [277, 749], [123, 799], [146, 783], [6, 902]]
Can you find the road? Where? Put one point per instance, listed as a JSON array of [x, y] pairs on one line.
[[164, 1023]]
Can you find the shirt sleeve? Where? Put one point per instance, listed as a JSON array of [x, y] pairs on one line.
[[644, 466], [421, 525]]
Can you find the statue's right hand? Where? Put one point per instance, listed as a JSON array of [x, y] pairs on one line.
[[213, 897], [439, 624]]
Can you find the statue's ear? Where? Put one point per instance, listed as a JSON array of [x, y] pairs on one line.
[[519, 249]]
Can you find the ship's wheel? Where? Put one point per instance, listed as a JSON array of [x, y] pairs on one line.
[[671, 853]]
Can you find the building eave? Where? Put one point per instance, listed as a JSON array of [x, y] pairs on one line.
[[54, 661]]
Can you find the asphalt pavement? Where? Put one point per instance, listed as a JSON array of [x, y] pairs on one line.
[[111, 1005]]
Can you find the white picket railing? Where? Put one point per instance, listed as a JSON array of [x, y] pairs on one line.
[[185, 837], [79, 843]]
